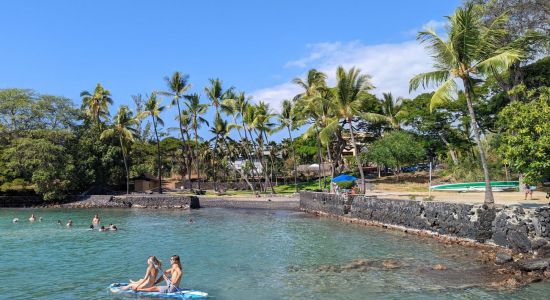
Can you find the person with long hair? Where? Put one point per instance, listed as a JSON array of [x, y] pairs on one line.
[[150, 275], [172, 277]]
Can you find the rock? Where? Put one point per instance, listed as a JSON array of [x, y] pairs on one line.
[[439, 267], [390, 264], [358, 265], [507, 283], [533, 264], [538, 243], [502, 258], [519, 241]]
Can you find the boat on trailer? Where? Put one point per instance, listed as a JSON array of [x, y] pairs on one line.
[[496, 186]]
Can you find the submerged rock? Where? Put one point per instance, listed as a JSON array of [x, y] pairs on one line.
[[502, 258], [439, 267], [391, 264]]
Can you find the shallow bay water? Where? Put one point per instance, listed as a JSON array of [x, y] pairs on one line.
[[234, 254]]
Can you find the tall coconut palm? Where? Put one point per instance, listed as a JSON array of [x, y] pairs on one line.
[[220, 130], [124, 128], [288, 118], [469, 54], [214, 92], [312, 85], [313, 82], [263, 126], [196, 110], [392, 109], [178, 84], [96, 105], [351, 92], [154, 109]]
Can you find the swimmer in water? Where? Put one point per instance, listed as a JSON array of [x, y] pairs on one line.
[[32, 218], [15, 220], [59, 222], [113, 228], [40, 219], [102, 229], [96, 220], [92, 227], [70, 223]]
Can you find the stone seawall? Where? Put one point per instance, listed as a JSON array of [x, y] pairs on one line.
[[521, 230], [106, 201], [20, 201]]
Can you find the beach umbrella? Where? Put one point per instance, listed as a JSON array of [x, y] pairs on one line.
[[344, 177]]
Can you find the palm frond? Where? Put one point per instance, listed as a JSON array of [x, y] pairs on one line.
[[445, 93], [428, 79]]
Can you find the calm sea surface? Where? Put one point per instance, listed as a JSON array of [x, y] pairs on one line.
[[233, 254]]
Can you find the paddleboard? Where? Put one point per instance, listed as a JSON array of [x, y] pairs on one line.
[[116, 288]]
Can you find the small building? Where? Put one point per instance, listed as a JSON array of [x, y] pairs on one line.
[[145, 182]]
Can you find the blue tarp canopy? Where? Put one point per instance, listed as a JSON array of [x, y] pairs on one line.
[[344, 177]]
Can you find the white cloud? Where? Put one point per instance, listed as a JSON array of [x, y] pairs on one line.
[[276, 94], [390, 65]]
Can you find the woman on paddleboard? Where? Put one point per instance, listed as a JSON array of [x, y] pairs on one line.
[[150, 275]]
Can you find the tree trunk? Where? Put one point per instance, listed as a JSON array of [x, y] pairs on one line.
[[489, 199], [125, 166], [319, 151], [158, 156], [294, 160], [183, 147], [357, 158], [198, 160], [451, 151]]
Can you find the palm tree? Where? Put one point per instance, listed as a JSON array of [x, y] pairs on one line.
[[289, 119], [124, 127], [468, 55], [220, 130], [196, 110], [214, 92], [96, 105], [178, 85], [263, 126], [154, 109], [392, 109], [351, 92], [314, 83]]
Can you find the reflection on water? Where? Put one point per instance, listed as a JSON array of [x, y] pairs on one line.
[[235, 254]]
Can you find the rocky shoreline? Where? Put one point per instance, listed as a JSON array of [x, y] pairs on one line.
[[509, 269]]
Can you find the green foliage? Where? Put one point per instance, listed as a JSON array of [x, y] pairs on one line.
[[395, 150], [525, 138]]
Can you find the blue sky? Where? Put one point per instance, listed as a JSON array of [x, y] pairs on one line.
[[63, 47]]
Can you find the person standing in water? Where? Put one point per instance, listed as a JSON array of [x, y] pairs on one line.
[[96, 220], [70, 223], [32, 218], [175, 273]]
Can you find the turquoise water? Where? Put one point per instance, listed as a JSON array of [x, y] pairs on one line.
[[233, 254]]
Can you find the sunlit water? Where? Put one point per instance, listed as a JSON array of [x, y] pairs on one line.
[[232, 254]]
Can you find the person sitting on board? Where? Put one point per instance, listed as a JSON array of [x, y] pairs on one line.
[[149, 279], [528, 191], [32, 218], [173, 283]]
